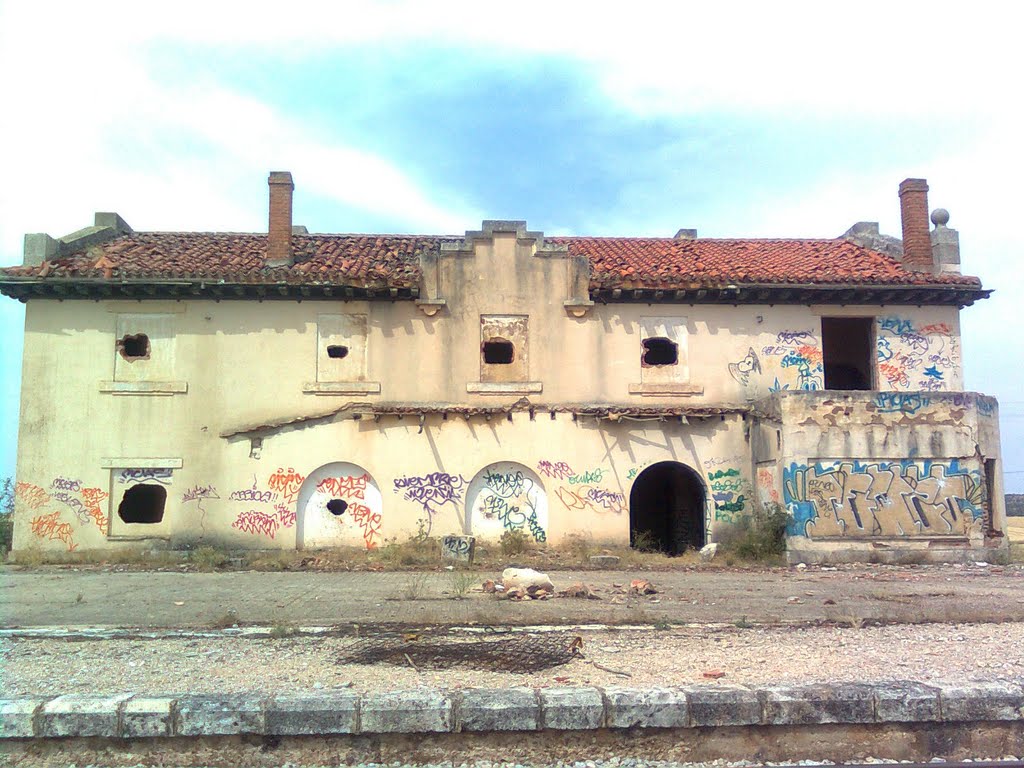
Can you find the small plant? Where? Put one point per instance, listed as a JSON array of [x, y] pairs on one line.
[[644, 541], [280, 629], [514, 542], [742, 623], [225, 621], [461, 583], [209, 558], [759, 537], [79, 598], [415, 586]]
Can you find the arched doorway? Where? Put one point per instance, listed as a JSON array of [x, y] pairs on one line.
[[339, 504], [666, 508], [507, 496]]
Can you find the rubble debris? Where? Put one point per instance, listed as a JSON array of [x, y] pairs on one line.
[[713, 674], [708, 552], [525, 578], [581, 591], [605, 561], [489, 586], [642, 587]]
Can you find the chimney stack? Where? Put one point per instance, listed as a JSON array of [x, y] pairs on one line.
[[279, 240], [917, 241]]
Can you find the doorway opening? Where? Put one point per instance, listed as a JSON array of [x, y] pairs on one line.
[[666, 509], [847, 348]]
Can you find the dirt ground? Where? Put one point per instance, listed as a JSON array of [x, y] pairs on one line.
[[844, 595]]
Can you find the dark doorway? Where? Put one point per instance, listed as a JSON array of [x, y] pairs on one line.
[[847, 347], [143, 504], [666, 509]]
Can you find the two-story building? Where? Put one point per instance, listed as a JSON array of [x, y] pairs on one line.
[[313, 390]]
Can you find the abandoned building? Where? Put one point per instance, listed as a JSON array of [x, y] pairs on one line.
[[297, 390]]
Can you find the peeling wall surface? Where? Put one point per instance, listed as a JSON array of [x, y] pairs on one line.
[[257, 421]]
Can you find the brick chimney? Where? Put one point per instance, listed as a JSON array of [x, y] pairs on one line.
[[279, 240], [917, 241]]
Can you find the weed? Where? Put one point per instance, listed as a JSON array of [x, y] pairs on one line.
[[461, 583], [662, 625], [280, 629], [742, 623], [415, 586], [209, 558], [79, 598], [225, 621], [644, 541], [760, 537], [411, 552], [514, 542]]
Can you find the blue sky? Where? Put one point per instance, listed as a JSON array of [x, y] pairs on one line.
[[786, 119]]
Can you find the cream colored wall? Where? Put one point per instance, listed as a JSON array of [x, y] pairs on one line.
[[223, 366]]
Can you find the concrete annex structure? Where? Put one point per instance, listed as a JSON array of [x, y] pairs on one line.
[[303, 390]]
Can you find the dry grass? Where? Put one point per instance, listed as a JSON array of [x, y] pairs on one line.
[[1015, 529]]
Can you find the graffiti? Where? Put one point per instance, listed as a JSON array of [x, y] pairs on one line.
[[727, 488], [986, 406], [916, 358], [431, 492], [252, 495], [591, 476], [766, 483], [368, 521], [536, 529], [74, 504], [285, 515], [354, 487], [749, 364], [161, 475], [32, 496], [609, 500], [50, 527], [257, 522], [591, 499], [557, 470], [92, 498], [899, 402], [904, 498], [796, 352], [633, 471], [66, 484], [199, 492], [717, 461], [509, 515], [287, 483], [507, 484]]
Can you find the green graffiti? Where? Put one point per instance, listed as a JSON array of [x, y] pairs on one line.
[[723, 473]]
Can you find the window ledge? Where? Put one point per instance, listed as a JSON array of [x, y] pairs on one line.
[[144, 387], [504, 387], [666, 390], [342, 388]]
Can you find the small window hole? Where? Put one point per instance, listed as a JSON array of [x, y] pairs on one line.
[[337, 351], [337, 506], [134, 347], [499, 352], [660, 351], [143, 504]]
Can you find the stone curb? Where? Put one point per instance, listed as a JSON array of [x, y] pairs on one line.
[[321, 713]]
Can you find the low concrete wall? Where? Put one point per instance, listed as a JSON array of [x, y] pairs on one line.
[[905, 720]]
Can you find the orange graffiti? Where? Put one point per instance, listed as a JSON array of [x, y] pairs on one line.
[[813, 354], [344, 486], [50, 527], [368, 521], [573, 500], [287, 483], [894, 375], [92, 497], [935, 328], [33, 496]]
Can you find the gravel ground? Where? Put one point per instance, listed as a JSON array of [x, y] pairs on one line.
[[753, 656]]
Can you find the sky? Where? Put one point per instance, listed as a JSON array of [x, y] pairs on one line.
[[740, 120]]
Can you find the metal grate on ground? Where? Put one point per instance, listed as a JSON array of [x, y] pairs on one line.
[[497, 652]]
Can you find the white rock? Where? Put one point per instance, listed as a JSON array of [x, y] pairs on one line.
[[526, 578], [708, 552]]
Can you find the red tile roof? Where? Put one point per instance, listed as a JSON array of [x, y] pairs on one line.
[[391, 261]]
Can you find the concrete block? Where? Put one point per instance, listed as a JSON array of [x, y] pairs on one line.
[[311, 714], [572, 709], [970, 702], [458, 548], [80, 715], [605, 561], [501, 709], [406, 712], [906, 702], [814, 704], [17, 717], [647, 708], [219, 715], [722, 706], [147, 717]]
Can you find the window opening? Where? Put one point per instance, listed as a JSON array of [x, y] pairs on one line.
[[499, 352], [337, 506], [143, 504], [660, 351], [134, 347], [337, 351], [846, 347]]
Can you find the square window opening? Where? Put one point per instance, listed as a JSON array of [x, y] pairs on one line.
[[143, 503], [499, 351], [134, 347], [659, 351], [846, 345]]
